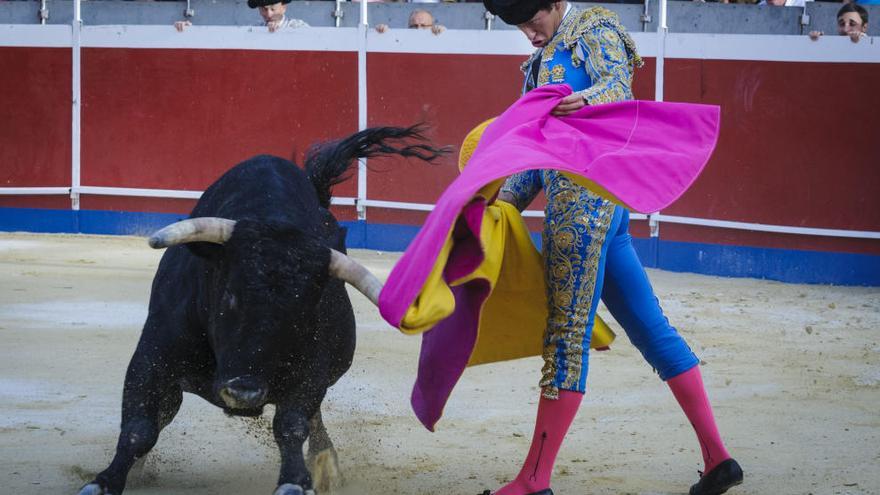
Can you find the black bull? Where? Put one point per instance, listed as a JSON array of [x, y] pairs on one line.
[[248, 307]]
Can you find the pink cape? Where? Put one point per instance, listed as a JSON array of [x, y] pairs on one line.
[[646, 154]]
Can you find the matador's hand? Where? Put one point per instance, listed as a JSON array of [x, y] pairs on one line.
[[570, 104]]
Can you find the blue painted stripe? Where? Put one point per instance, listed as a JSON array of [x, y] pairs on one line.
[[84, 221], [125, 223], [784, 265], [382, 237], [37, 220]]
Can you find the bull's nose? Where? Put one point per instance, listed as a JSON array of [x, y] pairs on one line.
[[243, 393]]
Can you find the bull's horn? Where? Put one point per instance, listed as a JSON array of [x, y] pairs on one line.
[[349, 270], [202, 229]]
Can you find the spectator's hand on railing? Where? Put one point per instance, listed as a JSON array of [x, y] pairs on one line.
[[855, 36], [438, 28], [381, 28], [181, 25]]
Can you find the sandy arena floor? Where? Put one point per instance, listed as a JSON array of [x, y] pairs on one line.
[[793, 371]]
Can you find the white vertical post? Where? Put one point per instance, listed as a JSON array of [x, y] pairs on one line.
[[661, 52], [653, 220], [76, 27], [44, 12], [337, 14], [363, 28]]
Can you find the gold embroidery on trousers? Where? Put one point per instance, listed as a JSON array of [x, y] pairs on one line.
[[573, 240]]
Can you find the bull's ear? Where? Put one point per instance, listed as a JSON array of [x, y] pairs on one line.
[[206, 250]]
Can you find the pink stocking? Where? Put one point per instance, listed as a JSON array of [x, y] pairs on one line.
[[690, 393], [554, 418]]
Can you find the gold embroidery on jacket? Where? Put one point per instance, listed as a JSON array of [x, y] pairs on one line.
[[557, 74]]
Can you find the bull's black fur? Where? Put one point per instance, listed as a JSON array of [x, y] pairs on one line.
[[258, 314]]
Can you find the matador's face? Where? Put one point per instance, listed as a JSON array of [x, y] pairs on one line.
[[543, 25]]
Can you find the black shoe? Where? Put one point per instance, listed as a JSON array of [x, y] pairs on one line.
[[717, 481], [542, 492]]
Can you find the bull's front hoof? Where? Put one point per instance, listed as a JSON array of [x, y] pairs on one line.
[[289, 489], [324, 467], [92, 489]]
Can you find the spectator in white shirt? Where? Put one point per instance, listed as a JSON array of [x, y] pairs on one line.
[[852, 21], [784, 3], [274, 14]]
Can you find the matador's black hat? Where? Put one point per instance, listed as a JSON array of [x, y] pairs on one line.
[[516, 12], [262, 3]]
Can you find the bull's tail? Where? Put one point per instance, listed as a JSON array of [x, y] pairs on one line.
[[330, 163]]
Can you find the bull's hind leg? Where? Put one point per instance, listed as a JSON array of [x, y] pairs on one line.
[[146, 409], [322, 460]]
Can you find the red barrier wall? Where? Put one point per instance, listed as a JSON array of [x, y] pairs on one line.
[[442, 91], [794, 150], [796, 146], [35, 122], [177, 119]]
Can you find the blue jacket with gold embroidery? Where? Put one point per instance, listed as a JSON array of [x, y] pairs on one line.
[[592, 53]]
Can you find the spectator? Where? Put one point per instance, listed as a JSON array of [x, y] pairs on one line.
[[274, 14], [418, 19], [852, 21], [784, 3]]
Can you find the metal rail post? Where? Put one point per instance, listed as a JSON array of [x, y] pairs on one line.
[[489, 17], [44, 12], [662, 30], [363, 29], [76, 96], [338, 14]]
